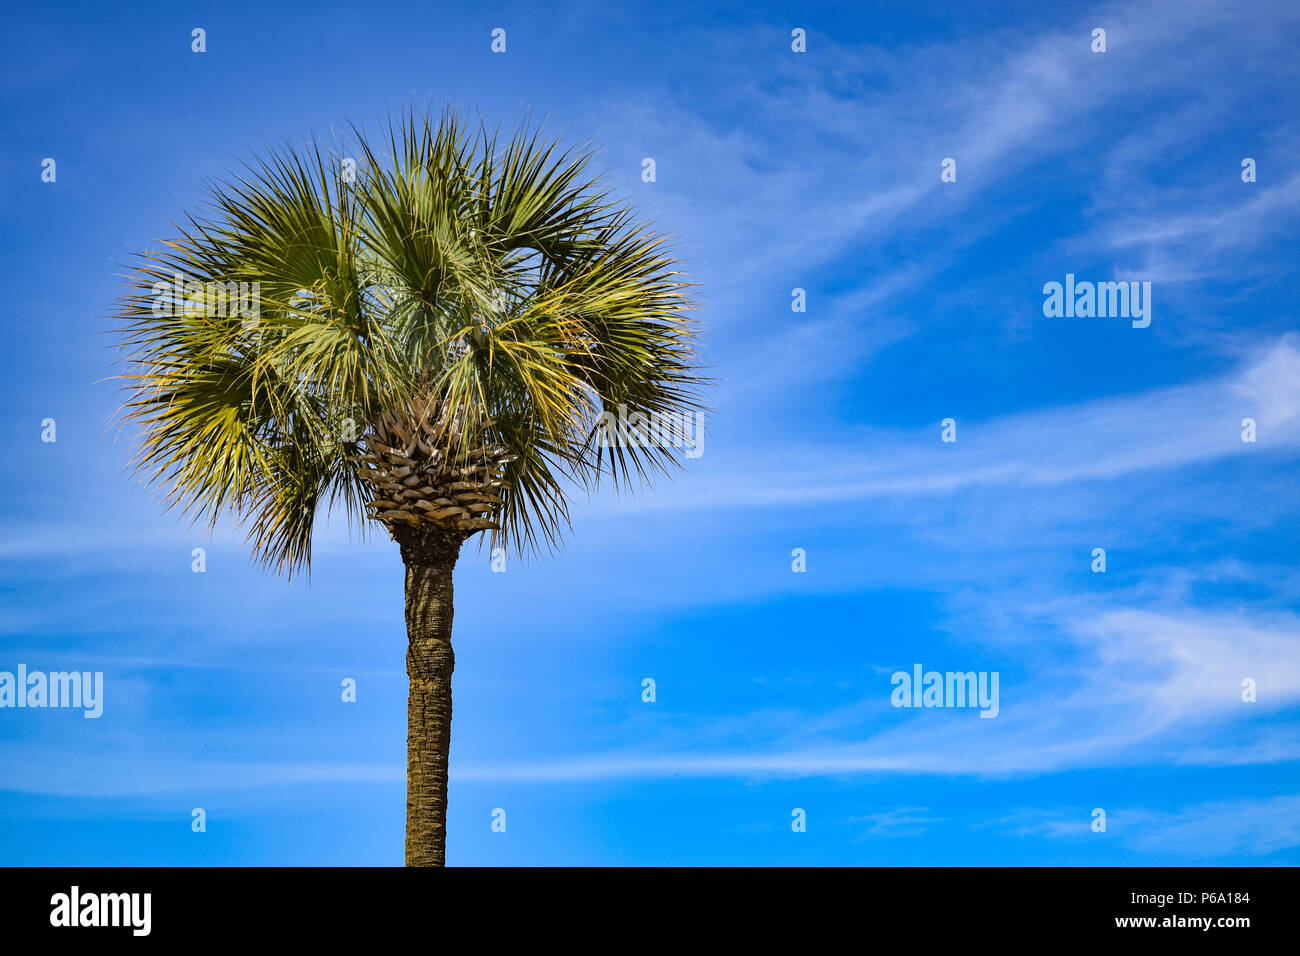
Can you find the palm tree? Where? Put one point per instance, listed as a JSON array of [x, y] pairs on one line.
[[433, 335]]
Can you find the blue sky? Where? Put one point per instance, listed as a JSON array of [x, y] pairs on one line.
[[777, 170]]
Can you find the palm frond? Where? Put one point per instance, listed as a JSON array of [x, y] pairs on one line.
[[491, 286]]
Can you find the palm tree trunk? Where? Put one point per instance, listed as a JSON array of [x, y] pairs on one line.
[[429, 556]]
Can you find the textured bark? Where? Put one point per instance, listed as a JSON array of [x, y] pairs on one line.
[[430, 556]]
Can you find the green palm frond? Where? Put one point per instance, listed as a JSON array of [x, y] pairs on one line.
[[489, 285]]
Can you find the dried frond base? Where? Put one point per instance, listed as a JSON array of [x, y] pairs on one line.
[[422, 477]]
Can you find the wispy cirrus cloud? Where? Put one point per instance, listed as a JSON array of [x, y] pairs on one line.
[[899, 822], [1102, 440], [1131, 687], [1136, 686], [1227, 828], [996, 103]]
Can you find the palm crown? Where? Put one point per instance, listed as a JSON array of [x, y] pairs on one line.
[[427, 335]]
